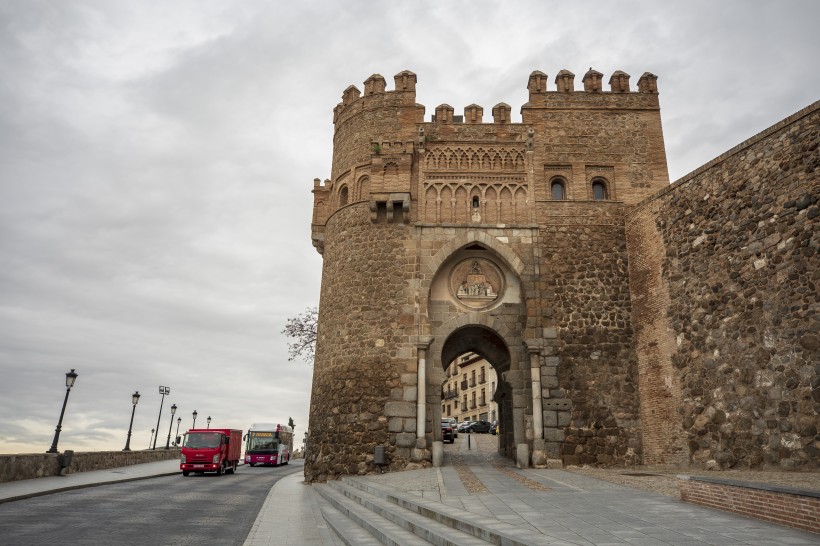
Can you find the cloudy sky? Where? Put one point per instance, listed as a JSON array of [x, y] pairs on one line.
[[156, 162]]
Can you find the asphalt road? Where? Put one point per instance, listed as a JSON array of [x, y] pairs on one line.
[[170, 510]]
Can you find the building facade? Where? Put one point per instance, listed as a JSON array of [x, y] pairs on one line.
[[628, 321], [468, 389]]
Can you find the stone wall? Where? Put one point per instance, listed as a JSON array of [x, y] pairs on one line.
[[364, 382], [38, 465], [724, 277], [585, 299]]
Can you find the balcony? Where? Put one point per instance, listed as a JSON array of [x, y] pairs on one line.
[[472, 383], [464, 385], [482, 402], [463, 406], [472, 405], [482, 380], [449, 395]]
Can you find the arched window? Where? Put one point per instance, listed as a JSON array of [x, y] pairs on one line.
[[599, 192], [475, 201], [557, 189], [343, 196]]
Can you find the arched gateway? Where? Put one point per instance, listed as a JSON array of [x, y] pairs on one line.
[[456, 242]]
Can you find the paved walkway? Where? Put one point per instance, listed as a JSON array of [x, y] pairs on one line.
[[23, 489], [559, 505], [577, 509]]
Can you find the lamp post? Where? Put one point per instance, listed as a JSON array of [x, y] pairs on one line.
[[170, 426], [135, 398], [70, 378], [176, 436], [163, 391], [151, 438], [209, 421], [195, 414]]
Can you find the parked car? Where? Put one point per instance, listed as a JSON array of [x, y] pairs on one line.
[[462, 426], [453, 423], [479, 426], [447, 432]]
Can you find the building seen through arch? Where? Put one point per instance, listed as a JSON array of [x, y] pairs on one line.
[[467, 392]]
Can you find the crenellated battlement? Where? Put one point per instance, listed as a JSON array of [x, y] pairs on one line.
[[376, 95]]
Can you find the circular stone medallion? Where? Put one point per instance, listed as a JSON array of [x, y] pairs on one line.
[[476, 283]]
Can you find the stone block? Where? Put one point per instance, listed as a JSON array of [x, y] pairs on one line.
[[409, 394], [557, 404], [395, 424], [522, 455], [400, 409], [406, 439], [553, 435]]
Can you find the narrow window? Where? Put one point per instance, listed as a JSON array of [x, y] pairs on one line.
[[599, 192], [475, 202], [557, 190], [343, 196]]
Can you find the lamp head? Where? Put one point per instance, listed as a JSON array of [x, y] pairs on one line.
[[70, 378]]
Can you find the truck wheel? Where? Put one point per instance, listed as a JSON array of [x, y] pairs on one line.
[[232, 469], [252, 464], [185, 472], [220, 469]]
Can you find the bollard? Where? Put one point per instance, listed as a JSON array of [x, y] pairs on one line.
[[64, 460], [379, 458]]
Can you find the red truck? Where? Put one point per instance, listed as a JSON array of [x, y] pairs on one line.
[[211, 450]]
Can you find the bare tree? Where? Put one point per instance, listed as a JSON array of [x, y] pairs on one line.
[[301, 329]]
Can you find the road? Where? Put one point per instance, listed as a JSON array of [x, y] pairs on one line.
[[169, 510]]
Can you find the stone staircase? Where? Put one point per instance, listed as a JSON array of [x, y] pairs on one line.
[[362, 513]]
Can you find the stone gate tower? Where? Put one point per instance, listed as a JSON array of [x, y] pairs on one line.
[[459, 234]]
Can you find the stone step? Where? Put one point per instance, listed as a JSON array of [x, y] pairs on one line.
[[379, 530], [426, 530], [486, 529], [344, 529]]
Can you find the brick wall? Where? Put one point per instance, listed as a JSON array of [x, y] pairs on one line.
[[793, 508]]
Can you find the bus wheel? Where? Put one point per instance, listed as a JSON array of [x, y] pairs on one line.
[[185, 472]]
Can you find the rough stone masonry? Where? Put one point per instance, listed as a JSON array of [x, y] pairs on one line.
[[630, 321]]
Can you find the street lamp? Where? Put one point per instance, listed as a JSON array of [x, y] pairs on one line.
[[135, 398], [170, 426], [179, 420], [163, 391], [195, 414], [151, 438], [209, 421], [70, 378]]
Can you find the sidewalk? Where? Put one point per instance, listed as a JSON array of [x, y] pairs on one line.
[[290, 516], [23, 489]]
